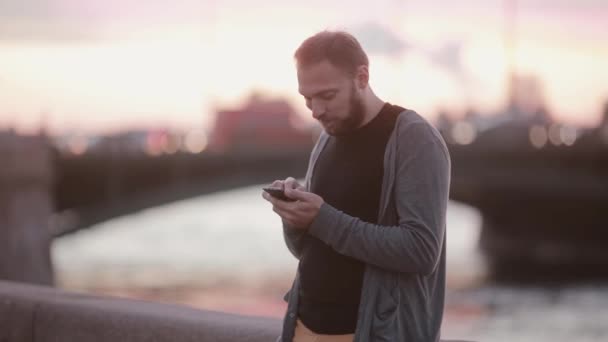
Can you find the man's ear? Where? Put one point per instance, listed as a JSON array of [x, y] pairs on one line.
[[362, 77]]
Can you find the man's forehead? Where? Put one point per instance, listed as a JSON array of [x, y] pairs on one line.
[[317, 80]]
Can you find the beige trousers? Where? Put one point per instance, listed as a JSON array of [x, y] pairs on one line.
[[303, 334]]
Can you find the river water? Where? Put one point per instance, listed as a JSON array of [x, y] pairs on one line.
[[225, 251]]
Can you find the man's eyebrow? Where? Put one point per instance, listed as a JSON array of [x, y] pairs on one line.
[[322, 92]]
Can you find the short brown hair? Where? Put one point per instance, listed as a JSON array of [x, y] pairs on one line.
[[338, 47]]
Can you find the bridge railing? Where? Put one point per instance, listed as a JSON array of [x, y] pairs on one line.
[[39, 313], [44, 314]]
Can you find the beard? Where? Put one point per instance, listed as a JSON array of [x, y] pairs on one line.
[[356, 116]]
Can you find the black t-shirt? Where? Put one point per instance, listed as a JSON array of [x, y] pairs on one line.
[[348, 175]]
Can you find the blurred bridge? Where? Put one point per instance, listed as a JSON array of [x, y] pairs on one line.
[[92, 188], [543, 208], [538, 205]]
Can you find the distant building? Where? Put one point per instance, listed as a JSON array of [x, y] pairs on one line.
[[526, 95], [604, 122], [603, 127], [261, 125]]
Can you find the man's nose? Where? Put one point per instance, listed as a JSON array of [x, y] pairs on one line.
[[318, 109]]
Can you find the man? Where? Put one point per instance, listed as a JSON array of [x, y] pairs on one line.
[[368, 225]]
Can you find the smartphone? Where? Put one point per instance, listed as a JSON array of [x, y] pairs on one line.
[[277, 193]]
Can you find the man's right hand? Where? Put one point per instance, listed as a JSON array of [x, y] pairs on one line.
[[302, 211], [288, 183]]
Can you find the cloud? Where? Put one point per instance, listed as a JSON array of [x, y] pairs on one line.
[[448, 56], [377, 39], [33, 31], [81, 20], [43, 20], [25, 9]]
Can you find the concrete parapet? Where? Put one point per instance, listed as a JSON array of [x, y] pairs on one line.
[[25, 207], [40, 314], [25, 160], [43, 314]]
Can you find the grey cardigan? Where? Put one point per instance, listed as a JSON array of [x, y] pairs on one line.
[[402, 298]]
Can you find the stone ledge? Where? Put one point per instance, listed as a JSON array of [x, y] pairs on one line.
[[44, 314], [38, 313]]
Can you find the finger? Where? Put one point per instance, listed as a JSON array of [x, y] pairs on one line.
[[285, 215], [277, 184], [298, 194], [291, 183], [283, 205], [295, 184], [273, 200]]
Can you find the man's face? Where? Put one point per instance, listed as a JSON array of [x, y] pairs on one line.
[[332, 97]]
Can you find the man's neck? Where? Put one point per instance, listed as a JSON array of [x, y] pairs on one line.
[[372, 106]]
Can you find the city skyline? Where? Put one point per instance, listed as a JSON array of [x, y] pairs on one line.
[[99, 67]]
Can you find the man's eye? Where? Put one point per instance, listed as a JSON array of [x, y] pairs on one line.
[[308, 101], [328, 96]]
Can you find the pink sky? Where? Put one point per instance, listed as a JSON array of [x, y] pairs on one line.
[[97, 66]]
